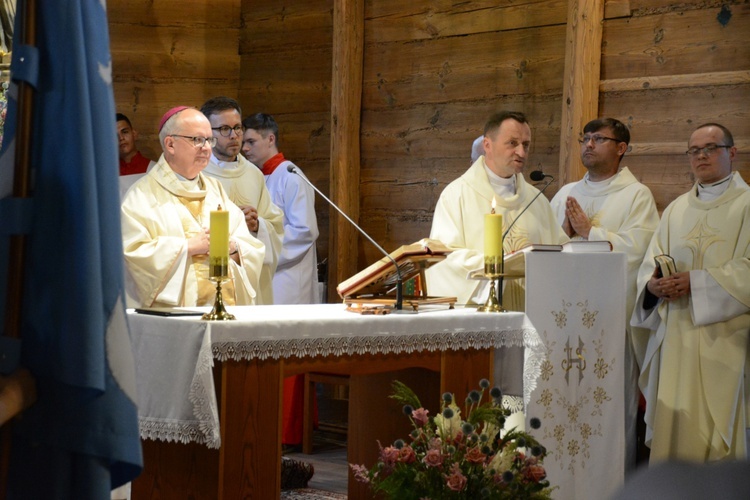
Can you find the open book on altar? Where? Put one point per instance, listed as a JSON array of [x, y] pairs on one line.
[[376, 284], [514, 263]]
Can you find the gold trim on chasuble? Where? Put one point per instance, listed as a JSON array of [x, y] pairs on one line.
[[699, 239]]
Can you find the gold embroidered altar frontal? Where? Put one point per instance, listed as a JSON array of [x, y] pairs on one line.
[[579, 396]]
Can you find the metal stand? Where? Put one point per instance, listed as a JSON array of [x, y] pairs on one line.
[[493, 270], [218, 312]]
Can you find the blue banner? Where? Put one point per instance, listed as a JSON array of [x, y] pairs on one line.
[[80, 439]]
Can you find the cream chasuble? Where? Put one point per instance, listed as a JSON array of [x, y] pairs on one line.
[[459, 223], [693, 370], [245, 184], [159, 214]]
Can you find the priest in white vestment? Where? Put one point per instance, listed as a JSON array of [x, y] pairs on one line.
[[296, 278], [246, 186], [165, 224], [694, 362], [610, 204], [458, 222]]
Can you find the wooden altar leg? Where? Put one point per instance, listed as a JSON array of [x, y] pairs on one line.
[[461, 371], [250, 455], [374, 416]]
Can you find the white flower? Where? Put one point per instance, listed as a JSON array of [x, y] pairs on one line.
[[450, 426]]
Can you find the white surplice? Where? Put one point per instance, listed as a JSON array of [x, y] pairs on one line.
[[296, 278]]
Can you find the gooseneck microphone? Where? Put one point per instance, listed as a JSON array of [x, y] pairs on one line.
[[399, 283], [536, 175]]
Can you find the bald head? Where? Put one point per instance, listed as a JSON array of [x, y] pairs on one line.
[[179, 144]]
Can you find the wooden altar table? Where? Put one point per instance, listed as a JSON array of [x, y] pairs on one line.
[[226, 443]]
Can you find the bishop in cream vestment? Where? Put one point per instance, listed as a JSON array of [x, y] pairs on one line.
[[245, 184], [159, 213], [694, 361]]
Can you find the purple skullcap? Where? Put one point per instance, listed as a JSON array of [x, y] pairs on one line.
[[169, 114]]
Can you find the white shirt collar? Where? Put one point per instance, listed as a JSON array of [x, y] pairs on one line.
[[709, 192], [225, 164]]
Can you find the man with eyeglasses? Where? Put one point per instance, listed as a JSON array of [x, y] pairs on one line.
[[166, 224], [610, 204], [246, 186], [693, 357]]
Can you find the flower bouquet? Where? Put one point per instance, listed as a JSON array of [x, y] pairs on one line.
[[450, 457]]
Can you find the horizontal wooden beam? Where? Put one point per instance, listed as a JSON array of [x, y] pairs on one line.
[[675, 81], [673, 148], [616, 8]]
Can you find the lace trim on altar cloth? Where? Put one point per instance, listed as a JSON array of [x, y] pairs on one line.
[[204, 428], [358, 345], [179, 431], [373, 344], [513, 403]]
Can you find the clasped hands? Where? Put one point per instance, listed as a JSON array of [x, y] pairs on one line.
[[576, 221], [670, 288], [251, 217], [199, 244]]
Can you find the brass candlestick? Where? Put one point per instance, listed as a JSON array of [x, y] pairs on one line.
[[218, 312], [493, 270]]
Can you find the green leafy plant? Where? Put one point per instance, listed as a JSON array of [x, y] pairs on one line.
[[450, 457]]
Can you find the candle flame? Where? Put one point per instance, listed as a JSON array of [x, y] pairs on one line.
[[494, 204]]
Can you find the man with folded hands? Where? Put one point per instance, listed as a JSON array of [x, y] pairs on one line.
[[693, 359], [610, 204]]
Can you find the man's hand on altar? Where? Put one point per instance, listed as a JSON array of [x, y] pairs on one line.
[[577, 218], [251, 217]]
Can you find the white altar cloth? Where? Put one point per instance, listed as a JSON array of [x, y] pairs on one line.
[[174, 355]]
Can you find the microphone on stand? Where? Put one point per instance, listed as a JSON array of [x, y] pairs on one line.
[[536, 175], [399, 283]]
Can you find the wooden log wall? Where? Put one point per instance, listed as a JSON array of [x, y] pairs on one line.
[[167, 53], [433, 72]]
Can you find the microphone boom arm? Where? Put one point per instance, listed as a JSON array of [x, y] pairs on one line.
[[531, 202], [399, 283]]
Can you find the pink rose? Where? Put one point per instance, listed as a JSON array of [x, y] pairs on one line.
[[389, 456], [456, 481], [420, 416], [535, 473], [475, 456], [406, 455], [433, 458]]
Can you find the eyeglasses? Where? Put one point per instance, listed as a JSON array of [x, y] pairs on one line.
[[226, 130], [707, 150], [598, 139], [198, 142]]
